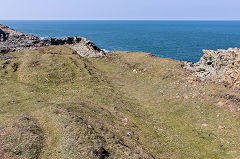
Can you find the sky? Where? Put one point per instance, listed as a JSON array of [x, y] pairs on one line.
[[119, 10]]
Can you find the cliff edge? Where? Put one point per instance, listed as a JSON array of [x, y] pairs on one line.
[[56, 104], [12, 41]]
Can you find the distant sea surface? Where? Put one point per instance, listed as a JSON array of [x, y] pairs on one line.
[[180, 40]]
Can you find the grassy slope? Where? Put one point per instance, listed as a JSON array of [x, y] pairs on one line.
[[60, 105]]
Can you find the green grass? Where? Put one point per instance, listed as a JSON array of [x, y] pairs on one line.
[[79, 105]]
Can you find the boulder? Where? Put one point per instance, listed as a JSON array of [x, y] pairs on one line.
[[220, 65], [86, 48]]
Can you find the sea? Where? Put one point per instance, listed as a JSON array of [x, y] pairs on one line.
[[179, 40]]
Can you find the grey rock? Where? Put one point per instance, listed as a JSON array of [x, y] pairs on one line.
[[220, 65], [12, 40], [86, 48]]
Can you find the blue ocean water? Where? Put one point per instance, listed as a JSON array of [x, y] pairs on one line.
[[180, 40]]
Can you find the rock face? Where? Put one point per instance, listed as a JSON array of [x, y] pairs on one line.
[[84, 46], [220, 65], [81, 45], [12, 40]]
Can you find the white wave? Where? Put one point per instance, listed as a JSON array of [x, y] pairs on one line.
[[44, 38], [106, 51]]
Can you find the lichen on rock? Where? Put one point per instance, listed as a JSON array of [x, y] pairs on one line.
[[220, 65]]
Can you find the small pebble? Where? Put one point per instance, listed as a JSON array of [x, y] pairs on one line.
[[125, 120], [220, 127], [204, 125]]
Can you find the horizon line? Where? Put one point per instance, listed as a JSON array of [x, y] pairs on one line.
[[119, 19]]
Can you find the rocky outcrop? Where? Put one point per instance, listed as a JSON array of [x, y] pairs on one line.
[[81, 45], [84, 46], [12, 40], [220, 65]]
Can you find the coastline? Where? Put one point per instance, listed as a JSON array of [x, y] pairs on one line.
[[215, 65], [56, 103], [178, 40]]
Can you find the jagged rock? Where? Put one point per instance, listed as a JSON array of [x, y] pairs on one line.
[[232, 75], [12, 40], [81, 45], [86, 48], [221, 65]]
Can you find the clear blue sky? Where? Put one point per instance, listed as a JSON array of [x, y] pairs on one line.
[[119, 9]]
